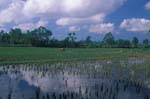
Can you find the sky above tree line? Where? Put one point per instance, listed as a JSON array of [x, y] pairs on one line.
[[124, 18]]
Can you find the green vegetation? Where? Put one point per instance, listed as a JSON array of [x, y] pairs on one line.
[[10, 55], [20, 47], [42, 37]]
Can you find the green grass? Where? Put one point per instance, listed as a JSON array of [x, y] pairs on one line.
[[17, 55]]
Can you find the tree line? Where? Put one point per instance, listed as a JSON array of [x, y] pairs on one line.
[[42, 37]]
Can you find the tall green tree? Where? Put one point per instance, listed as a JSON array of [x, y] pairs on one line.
[[120, 43], [70, 40], [88, 41], [127, 44], [41, 36], [135, 42], [72, 37], [43, 33], [146, 43], [123, 43], [15, 36], [108, 40], [5, 38], [1, 34]]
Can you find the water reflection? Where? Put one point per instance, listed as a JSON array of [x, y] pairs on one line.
[[81, 80]]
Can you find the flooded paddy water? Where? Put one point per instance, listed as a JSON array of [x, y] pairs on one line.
[[117, 79]]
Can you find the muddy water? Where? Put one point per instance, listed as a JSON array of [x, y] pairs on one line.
[[123, 79]]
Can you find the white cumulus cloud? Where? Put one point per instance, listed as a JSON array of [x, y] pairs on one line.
[[102, 28], [11, 14], [74, 8], [74, 28], [72, 21], [31, 26], [136, 24], [64, 12], [147, 5]]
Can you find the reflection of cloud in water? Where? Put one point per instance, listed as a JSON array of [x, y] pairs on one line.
[[30, 78], [74, 78], [47, 83]]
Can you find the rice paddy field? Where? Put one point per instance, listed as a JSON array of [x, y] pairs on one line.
[[46, 73], [19, 55]]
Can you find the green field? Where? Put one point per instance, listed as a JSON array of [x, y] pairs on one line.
[[18, 55]]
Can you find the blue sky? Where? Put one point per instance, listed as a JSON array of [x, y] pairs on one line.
[[124, 18]]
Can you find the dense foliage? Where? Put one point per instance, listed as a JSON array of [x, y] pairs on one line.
[[42, 37]]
